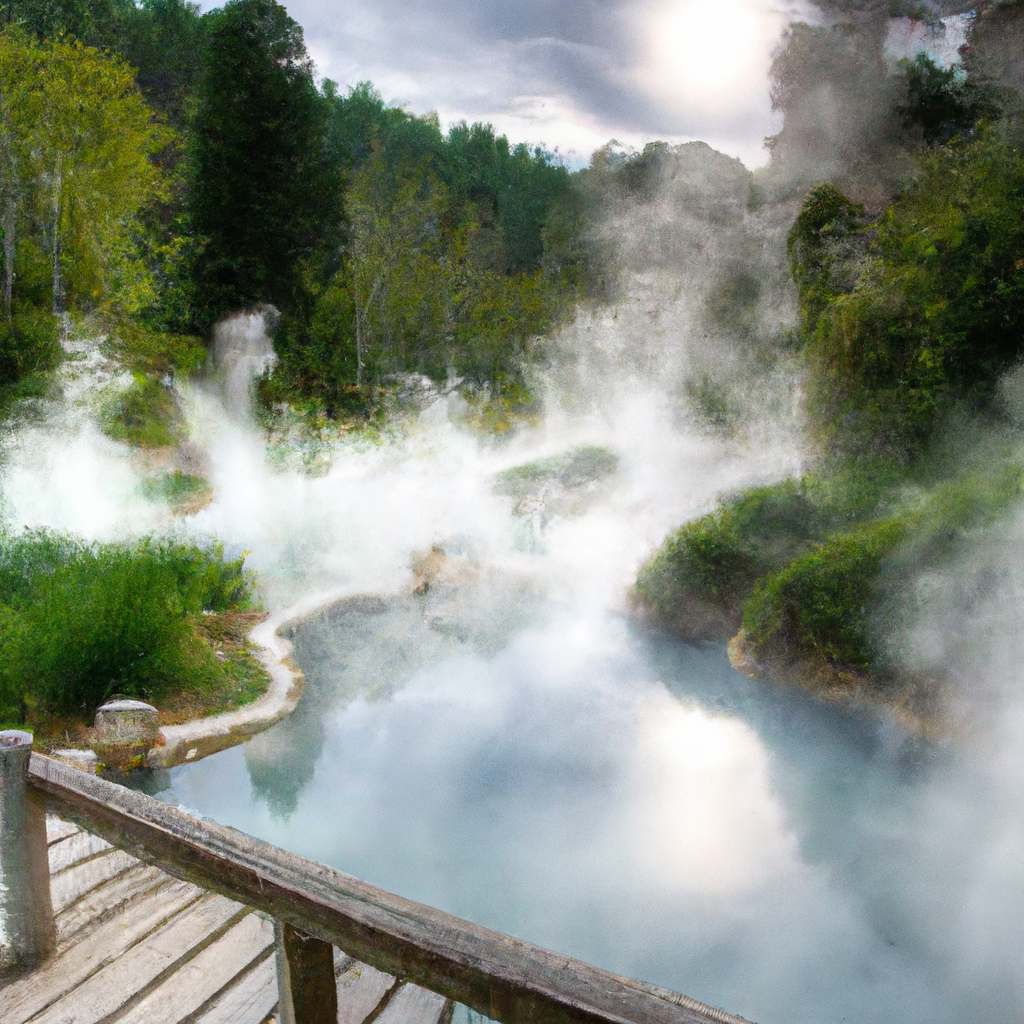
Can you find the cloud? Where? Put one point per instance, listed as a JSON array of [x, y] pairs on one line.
[[568, 74]]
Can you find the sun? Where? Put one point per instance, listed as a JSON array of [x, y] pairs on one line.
[[710, 50]]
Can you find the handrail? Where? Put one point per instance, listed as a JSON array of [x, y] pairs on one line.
[[502, 977]]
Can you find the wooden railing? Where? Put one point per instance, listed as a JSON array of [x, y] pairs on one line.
[[315, 908]]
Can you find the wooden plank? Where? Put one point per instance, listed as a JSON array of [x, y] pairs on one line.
[[33, 993], [74, 848], [412, 1005], [502, 977], [360, 990], [306, 978], [58, 829], [250, 1000], [112, 896], [146, 963], [206, 976], [73, 883]]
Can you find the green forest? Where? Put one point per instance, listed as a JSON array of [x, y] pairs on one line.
[[161, 168], [911, 313]]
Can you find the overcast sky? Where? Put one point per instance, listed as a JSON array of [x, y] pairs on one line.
[[569, 74]]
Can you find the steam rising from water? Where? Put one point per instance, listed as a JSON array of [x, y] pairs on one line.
[[510, 748]]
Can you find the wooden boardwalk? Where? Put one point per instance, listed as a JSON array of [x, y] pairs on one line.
[[136, 946]]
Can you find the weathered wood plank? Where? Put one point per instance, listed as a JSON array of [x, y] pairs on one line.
[[66, 852], [307, 989], [58, 829], [205, 976], [28, 996], [145, 964], [360, 990], [502, 977], [105, 899], [74, 882], [412, 1005], [250, 1000]]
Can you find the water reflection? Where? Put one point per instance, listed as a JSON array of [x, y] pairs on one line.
[[548, 770]]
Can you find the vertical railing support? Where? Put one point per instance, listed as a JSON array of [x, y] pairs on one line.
[[306, 988], [26, 914]]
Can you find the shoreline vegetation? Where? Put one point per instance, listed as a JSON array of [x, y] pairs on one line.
[[911, 329], [161, 168]]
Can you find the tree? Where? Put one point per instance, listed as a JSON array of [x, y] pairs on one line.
[[19, 96], [260, 184], [91, 145]]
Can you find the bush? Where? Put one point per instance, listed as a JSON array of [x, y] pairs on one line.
[[145, 414], [156, 353], [698, 579], [80, 622], [29, 347], [925, 312], [820, 607]]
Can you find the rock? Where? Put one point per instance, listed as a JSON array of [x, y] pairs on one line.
[[83, 760], [124, 731], [741, 656]]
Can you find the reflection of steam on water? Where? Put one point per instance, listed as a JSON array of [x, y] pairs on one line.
[[504, 745]]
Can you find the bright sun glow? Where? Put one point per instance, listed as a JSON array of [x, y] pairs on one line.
[[713, 51]]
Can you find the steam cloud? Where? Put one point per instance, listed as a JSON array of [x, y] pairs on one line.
[[514, 750]]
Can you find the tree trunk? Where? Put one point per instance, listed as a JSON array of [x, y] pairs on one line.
[[58, 289], [9, 222]]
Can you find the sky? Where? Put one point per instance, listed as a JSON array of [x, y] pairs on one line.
[[570, 75]]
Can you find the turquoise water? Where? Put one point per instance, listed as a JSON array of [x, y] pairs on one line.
[[551, 771]]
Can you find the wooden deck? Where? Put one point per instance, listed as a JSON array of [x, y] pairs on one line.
[[136, 946]]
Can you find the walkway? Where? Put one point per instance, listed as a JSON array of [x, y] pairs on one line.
[[136, 946]]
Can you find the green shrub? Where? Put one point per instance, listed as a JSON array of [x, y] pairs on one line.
[[155, 353], [80, 622], [820, 607], [29, 347], [145, 414], [698, 579], [176, 488], [922, 313]]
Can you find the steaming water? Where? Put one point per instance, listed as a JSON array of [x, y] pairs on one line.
[[510, 747]]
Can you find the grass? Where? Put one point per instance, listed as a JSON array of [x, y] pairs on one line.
[[576, 468], [79, 622]]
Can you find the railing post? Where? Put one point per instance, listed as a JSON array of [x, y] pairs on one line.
[[27, 932], [306, 989]]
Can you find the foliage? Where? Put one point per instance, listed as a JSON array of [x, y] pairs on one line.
[[820, 606], [28, 347], [941, 103], [176, 488], [935, 308], [76, 170], [579, 467], [81, 621], [700, 575], [156, 353], [259, 182], [145, 414], [431, 281]]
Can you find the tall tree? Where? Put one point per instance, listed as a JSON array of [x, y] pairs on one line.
[[91, 145], [260, 182], [19, 109]]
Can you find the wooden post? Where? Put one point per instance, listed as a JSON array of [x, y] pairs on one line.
[[306, 990], [27, 932]]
